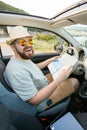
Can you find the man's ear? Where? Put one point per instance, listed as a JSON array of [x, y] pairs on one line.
[[12, 46]]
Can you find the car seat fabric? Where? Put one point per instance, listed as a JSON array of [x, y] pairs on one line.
[[5, 119], [82, 119], [4, 116], [2, 80], [15, 120], [62, 105], [24, 121], [13, 102], [10, 99]]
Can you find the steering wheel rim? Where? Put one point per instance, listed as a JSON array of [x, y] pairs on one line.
[[69, 48]]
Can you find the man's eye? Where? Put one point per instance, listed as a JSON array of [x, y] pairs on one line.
[[22, 43], [31, 42]]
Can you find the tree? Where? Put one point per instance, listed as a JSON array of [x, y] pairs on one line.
[[7, 8]]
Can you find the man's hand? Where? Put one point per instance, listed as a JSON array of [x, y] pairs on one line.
[[53, 59], [64, 73], [45, 63]]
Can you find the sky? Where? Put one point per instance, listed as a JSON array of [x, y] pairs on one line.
[[44, 8]]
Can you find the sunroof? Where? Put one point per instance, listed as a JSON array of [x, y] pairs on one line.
[[43, 8]]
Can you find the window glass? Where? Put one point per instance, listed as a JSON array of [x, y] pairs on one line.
[[79, 32], [44, 41], [3, 33]]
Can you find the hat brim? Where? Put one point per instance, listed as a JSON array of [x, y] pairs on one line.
[[9, 42]]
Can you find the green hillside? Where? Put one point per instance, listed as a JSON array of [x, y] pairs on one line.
[[8, 8]]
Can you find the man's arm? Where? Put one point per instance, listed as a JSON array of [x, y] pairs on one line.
[[43, 64], [47, 91]]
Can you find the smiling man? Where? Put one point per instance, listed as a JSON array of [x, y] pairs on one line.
[[26, 77]]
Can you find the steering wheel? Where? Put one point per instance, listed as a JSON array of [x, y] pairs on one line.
[[71, 48], [75, 54], [78, 69]]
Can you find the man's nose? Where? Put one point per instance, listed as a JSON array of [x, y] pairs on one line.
[[27, 43]]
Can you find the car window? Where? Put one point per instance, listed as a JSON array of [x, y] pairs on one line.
[[44, 41], [79, 32]]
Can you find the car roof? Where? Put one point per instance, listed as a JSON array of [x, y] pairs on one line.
[[74, 14]]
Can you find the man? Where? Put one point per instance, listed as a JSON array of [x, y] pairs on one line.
[[27, 79]]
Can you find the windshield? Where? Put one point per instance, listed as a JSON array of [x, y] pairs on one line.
[[79, 32]]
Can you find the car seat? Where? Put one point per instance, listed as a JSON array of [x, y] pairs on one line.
[[15, 103], [15, 120]]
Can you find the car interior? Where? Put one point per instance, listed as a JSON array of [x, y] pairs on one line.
[[74, 103], [15, 114]]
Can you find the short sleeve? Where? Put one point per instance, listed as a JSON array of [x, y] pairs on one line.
[[23, 85]]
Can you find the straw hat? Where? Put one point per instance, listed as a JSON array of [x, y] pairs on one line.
[[16, 33]]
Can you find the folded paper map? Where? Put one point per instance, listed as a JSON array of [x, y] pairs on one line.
[[63, 62]]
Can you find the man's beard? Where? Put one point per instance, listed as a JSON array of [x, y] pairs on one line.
[[24, 56]]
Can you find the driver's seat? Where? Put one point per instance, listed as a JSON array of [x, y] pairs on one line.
[[10, 100]]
